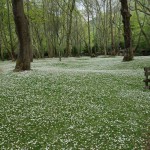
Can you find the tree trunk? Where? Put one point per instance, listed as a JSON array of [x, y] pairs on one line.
[[105, 28], [89, 33], [1, 50], [5, 41], [140, 24], [10, 33], [30, 30], [69, 24], [112, 32], [128, 56], [47, 27], [22, 30]]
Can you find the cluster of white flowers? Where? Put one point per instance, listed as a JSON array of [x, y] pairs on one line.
[[79, 103]]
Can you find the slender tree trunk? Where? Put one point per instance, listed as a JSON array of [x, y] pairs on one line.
[[77, 37], [1, 49], [47, 27], [22, 29], [5, 41], [68, 49], [119, 33], [89, 33], [30, 29], [10, 32], [139, 38], [105, 28], [128, 56], [111, 26], [141, 26]]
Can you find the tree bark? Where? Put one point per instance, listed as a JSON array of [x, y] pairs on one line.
[[128, 56], [22, 30], [140, 25], [30, 30], [69, 24], [105, 26], [10, 33], [112, 32], [47, 27], [1, 49], [89, 32]]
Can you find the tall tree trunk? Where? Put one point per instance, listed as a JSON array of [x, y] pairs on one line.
[[77, 37], [119, 33], [1, 49], [128, 56], [112, 32], [140, 24], [30, 30], [89, 33], [47, 27], [105, 27], [140, 34], [69, 22], [5, 41], [10, 32], [22, 29]]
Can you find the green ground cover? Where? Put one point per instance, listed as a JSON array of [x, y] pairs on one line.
[[79, 103]]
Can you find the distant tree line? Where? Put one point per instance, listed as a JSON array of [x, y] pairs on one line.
[[76, 27]]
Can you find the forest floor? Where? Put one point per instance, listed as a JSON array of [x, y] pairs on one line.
[[78, 103]]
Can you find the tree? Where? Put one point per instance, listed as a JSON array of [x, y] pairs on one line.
[[128, 56], [1, 49], [71, 5], [71, 27], [87, 7], [111, 26], [141, 26], [10, 32], [22, 30]]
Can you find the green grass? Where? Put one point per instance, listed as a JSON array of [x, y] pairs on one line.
[[79, 103]]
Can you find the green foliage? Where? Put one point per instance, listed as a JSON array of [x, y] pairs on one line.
[[136, 30], [48, 22], [75, 51]]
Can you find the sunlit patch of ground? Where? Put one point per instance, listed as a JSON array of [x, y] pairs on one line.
[[78, 103]]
